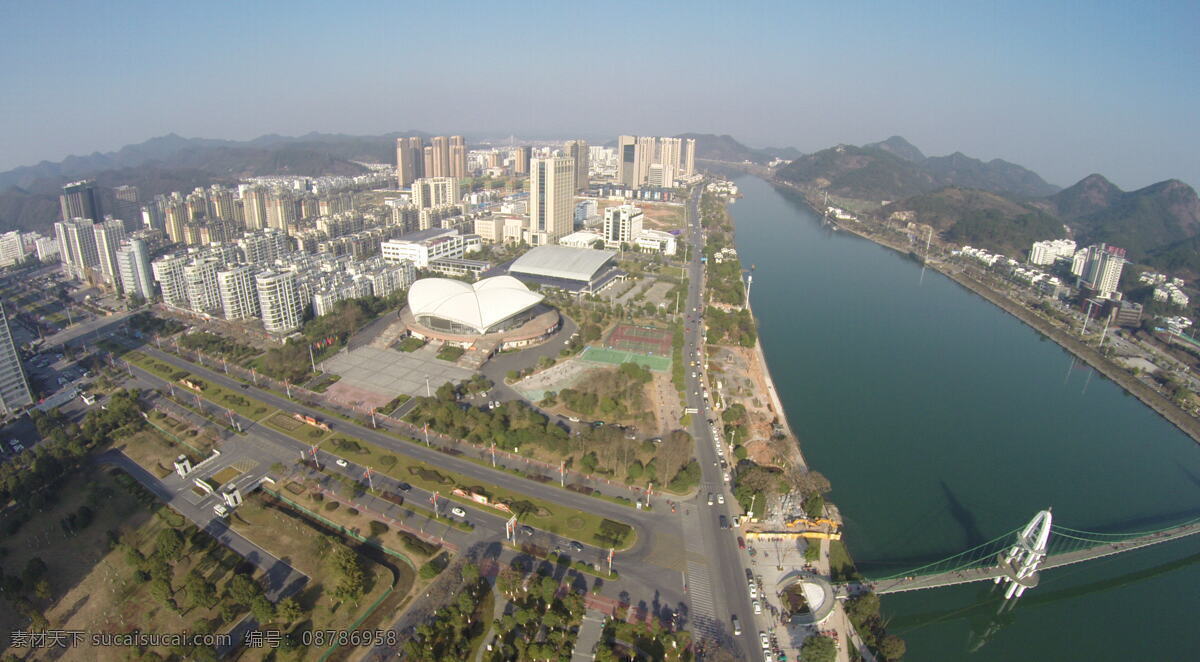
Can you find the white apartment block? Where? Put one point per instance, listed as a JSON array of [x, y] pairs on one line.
[[12, 249], [109, 235], [655, 241], [168, 272], [264, 246], [47, 250], [622, 224], [1044, 253], [279, 301], [435, 192], [422, 247], [14, 387], [1102, 269], [133, 268], [77, 246], [200, 280], [238, 291]]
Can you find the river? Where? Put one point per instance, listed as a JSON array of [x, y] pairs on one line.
[[943, 422]]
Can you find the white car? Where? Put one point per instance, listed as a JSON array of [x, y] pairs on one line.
[[341, 463], [458, 512], [766, 641], [753, 591], [757, 606], [721, 498]]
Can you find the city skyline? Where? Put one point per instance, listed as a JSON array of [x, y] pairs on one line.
[[1061, 91]]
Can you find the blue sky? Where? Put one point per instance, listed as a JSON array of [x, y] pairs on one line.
[[1065, 89]]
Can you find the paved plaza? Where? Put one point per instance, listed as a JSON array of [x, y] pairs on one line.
[[388, 372]]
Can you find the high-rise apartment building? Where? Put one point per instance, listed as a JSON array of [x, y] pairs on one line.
[[551, 197], [239, 292], [434, 192], [622, 224], [128, 205], [647, 155], [176, 215], [458, 157], [77, 246], [200, 279], [441, 157], [133, 268], [14, 387], [689, 157], [254, 207], [278, 301], [80, 200], [1102, 269], [578, 151], [670, 156], [263, 247], [281, 209], [12, 248], [109, 234], [521, 157], [221, 204], [410, 160], [627, 160], [427, 159], [168, 273]]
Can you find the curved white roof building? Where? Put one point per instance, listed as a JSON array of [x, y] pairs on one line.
[[486, 306]]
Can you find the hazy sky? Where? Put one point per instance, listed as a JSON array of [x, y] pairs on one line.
[[1066, 89]]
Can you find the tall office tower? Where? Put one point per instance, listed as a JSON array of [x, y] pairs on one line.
[[627, 160], [458, 157], [441, 157], [79, 200], [200, 280], [221, 203], [254, 207], [168, 273], [109, 234], [77, 247], [552, 196], [133, 267], [578, 150], [670, 155], [281, 209], [14, 387], [521, 158], [410, 160], [646, 154], [127, 205], [622, 224], [279, 301], [1102, 269], [239, 295], [176, 219], [689, 157], [435, 191]]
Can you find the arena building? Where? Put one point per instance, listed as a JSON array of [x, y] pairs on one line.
[[486, 316], [580, 270]]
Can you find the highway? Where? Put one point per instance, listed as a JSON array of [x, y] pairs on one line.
[[716, 575]]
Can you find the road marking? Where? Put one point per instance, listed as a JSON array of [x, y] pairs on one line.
[[703, 616]]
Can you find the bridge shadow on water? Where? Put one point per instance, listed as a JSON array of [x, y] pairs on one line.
[[984, 609]]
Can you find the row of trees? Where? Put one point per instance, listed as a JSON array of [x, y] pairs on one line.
[[735, 327], [449, 633]]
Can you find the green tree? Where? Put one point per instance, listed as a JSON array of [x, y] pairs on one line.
[[262, 609], [818, 648], [892, 647], [288, 610]]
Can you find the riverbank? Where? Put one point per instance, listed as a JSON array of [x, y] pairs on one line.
[[1131, 384]]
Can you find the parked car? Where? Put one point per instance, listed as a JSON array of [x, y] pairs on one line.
[[527, 530], [404, 487], [710, 498], [458, 512], [576, 546], [341, 463]]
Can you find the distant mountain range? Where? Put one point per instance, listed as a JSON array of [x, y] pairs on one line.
[[727, 148], [1004, 207]]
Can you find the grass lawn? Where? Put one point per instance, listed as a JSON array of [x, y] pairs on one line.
[[450, 353], [154, 452], [410, 344], [225, 475], [555, 518], [298, 430], [241, 404]]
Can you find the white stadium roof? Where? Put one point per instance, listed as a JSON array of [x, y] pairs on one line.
[[562, 262], [479, 305]]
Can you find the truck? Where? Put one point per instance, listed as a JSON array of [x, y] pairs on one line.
[[221, 511]]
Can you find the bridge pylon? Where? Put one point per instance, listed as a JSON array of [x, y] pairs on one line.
[[1020, 562]]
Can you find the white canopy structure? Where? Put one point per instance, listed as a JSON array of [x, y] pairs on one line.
[[481, 307]]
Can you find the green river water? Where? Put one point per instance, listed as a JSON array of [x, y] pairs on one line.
[[943, 422]]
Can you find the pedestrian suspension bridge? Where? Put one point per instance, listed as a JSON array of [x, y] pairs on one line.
[[1017, 556]]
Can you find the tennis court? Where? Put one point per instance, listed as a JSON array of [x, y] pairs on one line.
[[617, 357], [641, 340]]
